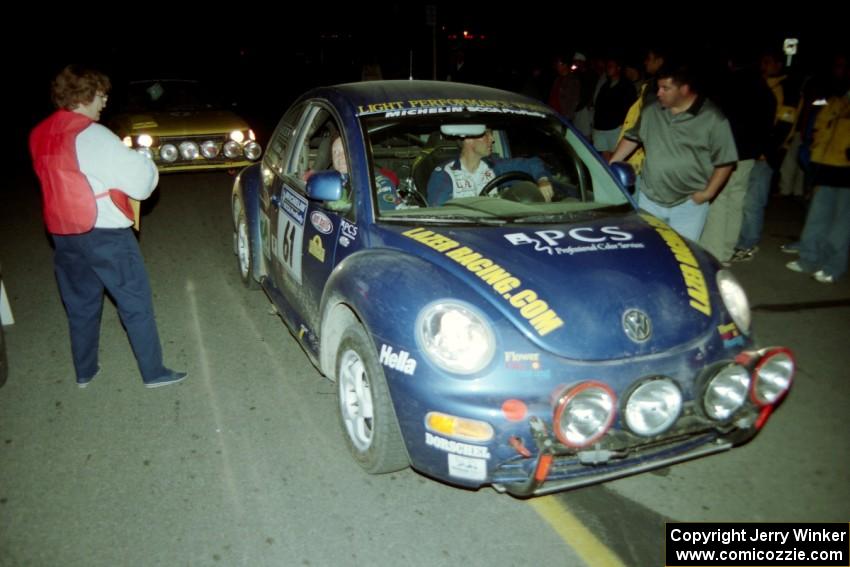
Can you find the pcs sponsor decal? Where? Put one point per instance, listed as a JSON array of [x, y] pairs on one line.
[[606, 238], [347, 233]]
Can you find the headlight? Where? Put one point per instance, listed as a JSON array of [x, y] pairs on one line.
[[653, 407], [128, 141], [237, 136], [455, 337], [189, 150], [726, 392], [144, 141], [252, 150], [210, 149], [772, 376], [735, 299], [584, 413], [251, 135], [168, 153], [232, 149]]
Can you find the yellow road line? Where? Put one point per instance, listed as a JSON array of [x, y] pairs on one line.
[[574, 533]]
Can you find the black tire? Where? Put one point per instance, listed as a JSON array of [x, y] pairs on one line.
[[244, 252], [366, 412]]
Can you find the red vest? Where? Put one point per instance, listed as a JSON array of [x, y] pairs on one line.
[[69, 202]]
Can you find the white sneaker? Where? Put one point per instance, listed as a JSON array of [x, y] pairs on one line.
[[823, 277], [794, 266]]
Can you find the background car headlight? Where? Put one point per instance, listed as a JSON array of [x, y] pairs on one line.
[[144, 141], [168, 153], [735, 300], [232, 149], [773, 375], [653, 407], [209, 149], [455, 337], [726, 392], [584, 413], [253, 150], [189, 150]]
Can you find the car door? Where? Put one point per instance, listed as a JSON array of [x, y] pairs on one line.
[[305, 233]]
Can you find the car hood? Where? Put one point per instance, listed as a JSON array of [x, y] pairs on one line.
[[180, 123], [600, 290]]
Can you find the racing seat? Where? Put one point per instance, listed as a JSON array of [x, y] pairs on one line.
[[428, 160]]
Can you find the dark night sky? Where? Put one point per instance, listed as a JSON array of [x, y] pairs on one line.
[[264, 59]]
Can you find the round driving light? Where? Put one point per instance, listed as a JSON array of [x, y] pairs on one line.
[[189, 150], [252, 150], [735, 300], [145, 141], [168, 153], [237, 136], [772, 376], [209, 149], [584, 414], [145, 152], [232, 149], [726, 392], [653, 407]]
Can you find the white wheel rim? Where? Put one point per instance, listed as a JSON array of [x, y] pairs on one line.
[[243, 248], [355, 400]]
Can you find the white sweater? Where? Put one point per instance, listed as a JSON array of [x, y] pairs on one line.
[[108, 164]]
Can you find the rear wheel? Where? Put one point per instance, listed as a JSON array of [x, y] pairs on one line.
[[366, 411], [242, 245]]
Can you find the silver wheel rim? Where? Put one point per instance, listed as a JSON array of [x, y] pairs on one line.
[[242, 248], [355, 400]]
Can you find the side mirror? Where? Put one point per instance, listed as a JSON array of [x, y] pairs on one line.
[[325, 186], [625, 175]]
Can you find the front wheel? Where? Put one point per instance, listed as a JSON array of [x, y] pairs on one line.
[[244, 257], [366, 411]]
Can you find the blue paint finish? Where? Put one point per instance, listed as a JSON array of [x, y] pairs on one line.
[[554, 295]]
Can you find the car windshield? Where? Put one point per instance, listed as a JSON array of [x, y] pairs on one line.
[[167, 96], [420, 158]]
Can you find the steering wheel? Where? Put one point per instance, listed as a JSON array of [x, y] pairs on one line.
[[504, 178]]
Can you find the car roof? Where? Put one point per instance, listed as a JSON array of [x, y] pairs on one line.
[[354, 97]]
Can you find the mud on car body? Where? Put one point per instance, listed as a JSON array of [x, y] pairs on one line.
[[499, 338]]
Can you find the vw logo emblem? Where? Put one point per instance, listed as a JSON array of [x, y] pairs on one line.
[[637, 325]]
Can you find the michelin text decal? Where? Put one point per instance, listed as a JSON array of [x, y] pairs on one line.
[[419, 107]]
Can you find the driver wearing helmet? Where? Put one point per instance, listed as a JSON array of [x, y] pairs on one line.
[[467, 175]]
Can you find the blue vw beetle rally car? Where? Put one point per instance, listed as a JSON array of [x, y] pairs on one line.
[[520, 324]]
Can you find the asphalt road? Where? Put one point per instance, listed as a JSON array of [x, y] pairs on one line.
[[244, 463]]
